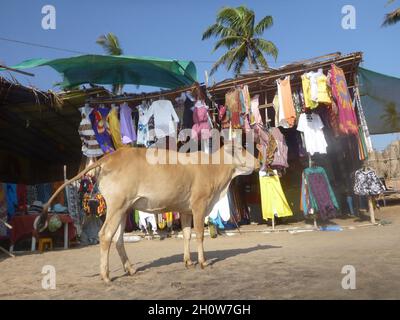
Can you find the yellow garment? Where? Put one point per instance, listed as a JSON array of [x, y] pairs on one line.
[[323, 93], [306, 84], [273, 199], [114, 125]]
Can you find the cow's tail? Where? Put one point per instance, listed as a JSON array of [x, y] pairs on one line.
[[43, 215]]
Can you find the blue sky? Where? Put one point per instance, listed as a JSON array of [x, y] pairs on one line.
[[173, 29]]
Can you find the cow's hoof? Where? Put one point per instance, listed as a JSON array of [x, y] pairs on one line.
[[189, 264], [106, 278], [204, 264], [131, 271]]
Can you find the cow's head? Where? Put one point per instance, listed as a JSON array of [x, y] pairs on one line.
[[243, 161]]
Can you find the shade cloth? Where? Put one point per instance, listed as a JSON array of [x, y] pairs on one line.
[[380, 100], [103, 69]]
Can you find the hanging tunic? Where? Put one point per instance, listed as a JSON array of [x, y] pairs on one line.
[[128, 134], [114, 125], [201, 128], [286, 113], [232, 101], [273, 200], [306, 84], [143, 127], [98, 118], [90, 146], [280, 157], [347, 117]]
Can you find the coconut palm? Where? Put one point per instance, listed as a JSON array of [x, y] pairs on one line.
[[110, 44], [392, 17], [237, 31]]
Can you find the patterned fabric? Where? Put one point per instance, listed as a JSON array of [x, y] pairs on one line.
[[201, 128], [31, 194], [232, 101], [280, 157], [90, 146], [367, 183], [115, 127], [347, 117], [12, 202], [98, 118], [317, 195]]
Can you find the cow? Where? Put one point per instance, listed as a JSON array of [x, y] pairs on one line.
[[130, 179]]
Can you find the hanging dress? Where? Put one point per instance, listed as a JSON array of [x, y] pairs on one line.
[[90, 145], [98, 118], [114, 125]]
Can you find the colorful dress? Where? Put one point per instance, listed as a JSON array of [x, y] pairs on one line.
[[347, 116], [114, 124], [98, 118]]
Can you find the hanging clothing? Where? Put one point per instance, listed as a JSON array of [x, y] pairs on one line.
[[22, 197], [321, 198], [286, 113], [60, 197], [165, 118], [367, 183], [280, 156], [340, 92], [144, 218], [232, 101], [273, 200], [90, 146], [188, 114], [98, 118], [266, 145], [311, 126], [255, 116], [306, 85], [143, 126], [201, 129], [222, 209], [31, 194], [128, 132], [115, 127]]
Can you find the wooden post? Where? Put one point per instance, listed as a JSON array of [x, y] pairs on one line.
[[371, 210], [315, 222], [273, 222]]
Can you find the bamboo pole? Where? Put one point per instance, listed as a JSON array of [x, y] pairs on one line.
[[371, 210]]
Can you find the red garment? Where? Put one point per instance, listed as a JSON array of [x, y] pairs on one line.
[[23, 227], [22, 197]]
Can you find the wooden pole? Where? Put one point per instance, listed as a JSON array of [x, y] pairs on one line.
[[371, 210], [273, 222]]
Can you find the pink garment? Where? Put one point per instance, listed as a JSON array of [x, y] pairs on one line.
[[201, 128], [255, 111]]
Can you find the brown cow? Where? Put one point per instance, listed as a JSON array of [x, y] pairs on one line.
[[128, 180]]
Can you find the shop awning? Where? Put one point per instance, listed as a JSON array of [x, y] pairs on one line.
[[380, 99], [102, 69]]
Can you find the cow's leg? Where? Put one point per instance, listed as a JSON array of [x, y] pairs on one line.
[[186, 222], [106, 234], [198, 223], [119, 236]]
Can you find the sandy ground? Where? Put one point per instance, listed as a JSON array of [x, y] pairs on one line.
[[252, 265]]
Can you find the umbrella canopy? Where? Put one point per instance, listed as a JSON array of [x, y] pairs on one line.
[[103, 69]]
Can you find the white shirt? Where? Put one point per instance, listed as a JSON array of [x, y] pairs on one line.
[[311, 125], [165, 118]]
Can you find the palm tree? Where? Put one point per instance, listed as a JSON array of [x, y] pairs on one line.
[[110, 44], [236, 30], [392, 17]]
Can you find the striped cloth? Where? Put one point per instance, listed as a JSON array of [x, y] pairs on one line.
[[90, 146]]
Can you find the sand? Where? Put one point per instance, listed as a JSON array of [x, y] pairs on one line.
[[252, 265]]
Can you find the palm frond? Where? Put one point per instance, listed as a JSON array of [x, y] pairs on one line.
[[391, 18], [267, 46], [263, 24], [228, 42], [259, 58], [110, 44]]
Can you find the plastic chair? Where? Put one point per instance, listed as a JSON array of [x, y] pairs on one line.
[[45, 243]]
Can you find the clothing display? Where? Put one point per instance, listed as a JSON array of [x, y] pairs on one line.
[[232, 102], [145, 218], [367, 183], [222, 209], [306, 85], [317, 195], [165, 118], [98, 118], [280, 156], [273, 200], [143, 137], [12, 200], [90, 146], [311, 126], [340, 92], [128, 132], [201, 128], [255, 116], [115, 127], [318, 87], [286, 112]]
